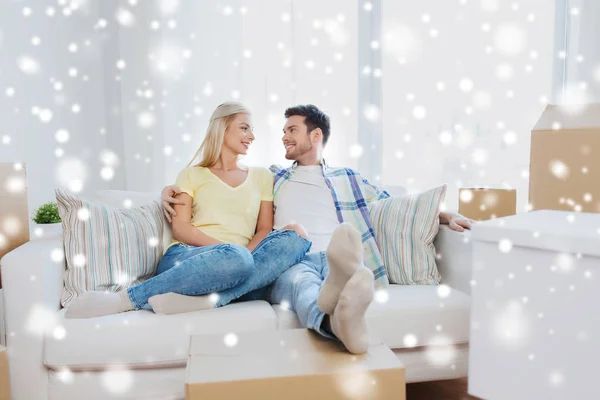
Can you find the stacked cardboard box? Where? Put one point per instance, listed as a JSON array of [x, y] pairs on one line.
[[565, 159], [14, 214], [482, 204]]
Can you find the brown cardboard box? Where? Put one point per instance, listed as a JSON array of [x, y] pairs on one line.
[[290, 364], [14, 214], [565, 160], [482, 204], [4, 375]]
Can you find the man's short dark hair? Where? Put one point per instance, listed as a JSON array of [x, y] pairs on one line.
[[315, 118]]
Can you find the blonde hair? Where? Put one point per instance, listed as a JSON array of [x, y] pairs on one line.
[[215, 133]]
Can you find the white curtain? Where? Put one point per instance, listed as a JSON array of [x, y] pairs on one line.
[[463, 84], [183, 58]]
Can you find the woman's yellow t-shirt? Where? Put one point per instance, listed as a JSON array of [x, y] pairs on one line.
[[226, 213]]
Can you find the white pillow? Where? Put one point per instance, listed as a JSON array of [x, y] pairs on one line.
[[405, 228], [108, 248]]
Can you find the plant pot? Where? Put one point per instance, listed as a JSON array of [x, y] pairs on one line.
[[47, 230]]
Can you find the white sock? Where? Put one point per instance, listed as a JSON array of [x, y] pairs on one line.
[[97, 304], [348, 320], [345, 257], [174, 303]]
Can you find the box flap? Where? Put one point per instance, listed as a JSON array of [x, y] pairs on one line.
[[545, 229], [288, 353], [589, 117]]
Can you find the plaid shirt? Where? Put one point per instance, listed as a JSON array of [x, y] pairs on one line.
[[352, 195]]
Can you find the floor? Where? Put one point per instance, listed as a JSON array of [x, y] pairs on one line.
[[454, 389]]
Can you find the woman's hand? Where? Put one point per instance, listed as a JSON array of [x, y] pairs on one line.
[[168, 200]]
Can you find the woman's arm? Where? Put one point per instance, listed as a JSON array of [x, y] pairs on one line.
[[264, 224], [183, 230]]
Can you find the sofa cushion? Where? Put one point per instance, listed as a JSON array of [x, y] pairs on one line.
[[415, 310], [108, 248], [421, 314], [142, 339], [129, 199], [405, 228]]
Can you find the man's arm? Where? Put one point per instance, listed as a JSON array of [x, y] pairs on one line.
[[456, 222], [169, 199]]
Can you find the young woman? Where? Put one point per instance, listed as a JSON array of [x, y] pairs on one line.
[[224, 246]]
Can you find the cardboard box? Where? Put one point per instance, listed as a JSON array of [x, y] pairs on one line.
[[4, 375], [290, 364], [565, 160], [482, 204], [14, 214]]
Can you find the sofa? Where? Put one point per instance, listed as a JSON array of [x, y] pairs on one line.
[[142, 355]]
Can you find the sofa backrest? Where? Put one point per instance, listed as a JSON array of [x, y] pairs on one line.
[[395, 190], [117, 198]]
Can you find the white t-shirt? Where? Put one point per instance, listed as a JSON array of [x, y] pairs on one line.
[[306, 199]]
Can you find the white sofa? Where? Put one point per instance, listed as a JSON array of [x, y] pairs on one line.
[[145, 354]]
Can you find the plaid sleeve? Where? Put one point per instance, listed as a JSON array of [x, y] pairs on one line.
[[371, 192], [275, 169]]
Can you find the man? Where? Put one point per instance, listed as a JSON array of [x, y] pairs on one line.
[[331, 289]]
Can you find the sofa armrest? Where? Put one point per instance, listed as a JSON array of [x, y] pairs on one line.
[[32, 276], [454, 258]]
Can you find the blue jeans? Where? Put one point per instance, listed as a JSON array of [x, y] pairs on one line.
[[299, 286], [229, 270]]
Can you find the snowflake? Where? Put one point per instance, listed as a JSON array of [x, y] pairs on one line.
[[59, 333], [76, 108], [286, 17], [79, 260], [510, 39], [419, 112], [372, 112], [41, 319], [11, 225], [146, 120], [368, 6], [62, 136], [125, 17], [490, 5], [382, 296], [441, 350], [65, 375], [28, 65], [480, 156], [356, 151], [231, 340], [443, 291], [510, 138], [6, 139], [559, 169], [466, 85], [556, 378], [410, 340], [505, 246], [107, 173], [117, 379]]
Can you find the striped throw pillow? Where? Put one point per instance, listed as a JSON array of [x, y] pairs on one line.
[[405, 228], [108, 248]]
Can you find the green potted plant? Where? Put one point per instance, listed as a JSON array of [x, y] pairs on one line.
[[46, 219]]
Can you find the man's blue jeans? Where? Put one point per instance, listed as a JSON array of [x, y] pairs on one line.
[[228, 270], [299, 287]]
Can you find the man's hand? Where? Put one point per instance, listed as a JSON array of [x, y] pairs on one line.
[[456, 222], [168, 199]]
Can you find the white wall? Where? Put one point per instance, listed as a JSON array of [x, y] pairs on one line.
[[24, 137]]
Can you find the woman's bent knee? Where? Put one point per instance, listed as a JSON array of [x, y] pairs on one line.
[[241, 259]]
